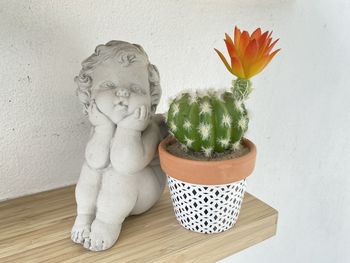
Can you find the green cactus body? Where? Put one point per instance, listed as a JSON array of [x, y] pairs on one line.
[[209, 122]]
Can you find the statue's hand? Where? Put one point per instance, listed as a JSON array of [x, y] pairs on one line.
[[96, 117], [138, 120]]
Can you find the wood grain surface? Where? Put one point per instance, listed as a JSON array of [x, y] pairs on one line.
[[37, 228]]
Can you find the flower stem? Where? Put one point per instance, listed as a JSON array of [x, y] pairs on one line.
[[241, 88]]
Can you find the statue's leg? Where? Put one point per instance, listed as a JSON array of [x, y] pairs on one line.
[[161, 176], [86, 193], [151, 182], [115, 201]]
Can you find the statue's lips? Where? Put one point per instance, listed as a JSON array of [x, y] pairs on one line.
[[120, 107]]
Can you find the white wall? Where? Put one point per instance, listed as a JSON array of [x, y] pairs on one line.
[[300, 108]]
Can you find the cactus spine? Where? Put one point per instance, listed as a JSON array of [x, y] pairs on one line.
[[211, 121]]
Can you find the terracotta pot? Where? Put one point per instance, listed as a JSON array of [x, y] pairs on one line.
[[210, 172], [207, 195]]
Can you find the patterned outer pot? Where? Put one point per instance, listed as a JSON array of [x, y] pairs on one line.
[[207, 196]]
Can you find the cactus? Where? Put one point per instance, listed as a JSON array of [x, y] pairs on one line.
[[210, 121], [214, 121]]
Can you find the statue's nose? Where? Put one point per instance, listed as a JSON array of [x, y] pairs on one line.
[[122, 92]]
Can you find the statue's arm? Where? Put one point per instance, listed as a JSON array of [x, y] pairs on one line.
[[133, 150], [97, 150]]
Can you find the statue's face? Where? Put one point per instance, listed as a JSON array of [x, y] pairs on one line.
[[119, 90]]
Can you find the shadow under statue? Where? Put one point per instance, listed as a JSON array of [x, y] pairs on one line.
[[121, 176]]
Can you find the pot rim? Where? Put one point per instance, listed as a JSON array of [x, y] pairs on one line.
[[207, 172]]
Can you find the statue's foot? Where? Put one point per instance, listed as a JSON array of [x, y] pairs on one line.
[[102, 235], [81, 228]]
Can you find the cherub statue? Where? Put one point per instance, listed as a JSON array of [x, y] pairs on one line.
[[121, 175]]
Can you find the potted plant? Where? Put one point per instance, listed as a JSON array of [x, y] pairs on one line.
[[206, 157]]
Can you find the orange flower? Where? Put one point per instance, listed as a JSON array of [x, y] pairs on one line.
[[249, 54]]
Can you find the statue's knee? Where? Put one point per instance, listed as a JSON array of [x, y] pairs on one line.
[[97, 163]]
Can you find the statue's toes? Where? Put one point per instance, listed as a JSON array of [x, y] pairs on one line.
[[78, 235], [102, 236], [87, 242], [84, 234], [73, 236], [97, 245]]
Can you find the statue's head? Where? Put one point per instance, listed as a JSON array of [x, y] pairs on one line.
[[120, 78]]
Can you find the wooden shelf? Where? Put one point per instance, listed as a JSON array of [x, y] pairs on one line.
[[36, 228]]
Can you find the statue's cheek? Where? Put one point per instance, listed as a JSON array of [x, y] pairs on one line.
[[138, 101], [104, 102]]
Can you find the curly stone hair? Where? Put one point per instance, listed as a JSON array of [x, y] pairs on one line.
[[125, 54]]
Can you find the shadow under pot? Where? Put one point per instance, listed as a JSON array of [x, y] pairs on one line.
[[207, 195]]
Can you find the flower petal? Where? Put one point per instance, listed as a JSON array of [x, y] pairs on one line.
[[237, 37], [260, 64], [269, 48], [224, 60], [250, 53], [262, 39], [263, 43], [237, 68], [273, 54], [256, 34], [243, 43], [230, 47], [268, 39], [257, 67]]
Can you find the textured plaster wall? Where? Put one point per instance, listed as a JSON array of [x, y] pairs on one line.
[[300, 108]]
